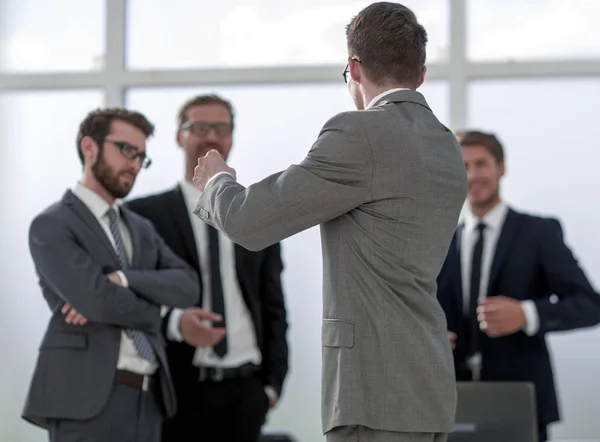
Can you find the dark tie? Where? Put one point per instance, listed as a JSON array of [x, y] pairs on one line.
[[474, 292], [140, 341], [216, 287]]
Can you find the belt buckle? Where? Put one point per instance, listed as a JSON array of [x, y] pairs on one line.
[[218, 374], [145, 383]]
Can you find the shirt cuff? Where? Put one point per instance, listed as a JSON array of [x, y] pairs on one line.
[[216, 175], [532, 319], [123, 278], [173, 331]]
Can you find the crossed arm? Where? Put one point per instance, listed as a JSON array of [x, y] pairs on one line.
[[171, 283], [69, 271]]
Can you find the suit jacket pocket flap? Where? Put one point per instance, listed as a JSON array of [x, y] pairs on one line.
[[64, 340], [338, 333]]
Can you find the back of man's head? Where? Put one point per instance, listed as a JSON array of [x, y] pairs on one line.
[[389, 43]]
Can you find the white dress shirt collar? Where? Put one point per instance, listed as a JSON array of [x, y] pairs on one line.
[[97, 205], [383, 94], [493, 220]]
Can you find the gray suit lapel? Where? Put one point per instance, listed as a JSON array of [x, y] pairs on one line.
[[88, 218]]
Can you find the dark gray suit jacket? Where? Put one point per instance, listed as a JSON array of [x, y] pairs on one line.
[[386, 185], [76, 365]]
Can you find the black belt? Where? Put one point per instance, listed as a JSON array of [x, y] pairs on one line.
[[216, 374], [137, 381]]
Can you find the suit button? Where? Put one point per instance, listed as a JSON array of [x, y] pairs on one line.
[[203, 214]]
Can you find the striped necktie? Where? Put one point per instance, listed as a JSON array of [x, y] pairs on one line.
[[140, 341]]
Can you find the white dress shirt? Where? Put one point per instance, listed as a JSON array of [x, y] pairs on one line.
[[241, 337], [493, 220], [129, 359]]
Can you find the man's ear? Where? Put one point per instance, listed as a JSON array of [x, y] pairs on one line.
[[89, 149], [422, 77], [354, 68], [178, 137]]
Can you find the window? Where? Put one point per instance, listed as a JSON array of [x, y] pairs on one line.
[[39, 162], [51, 35], [166, 34], [275, 127], [549, 131], [502, 30]]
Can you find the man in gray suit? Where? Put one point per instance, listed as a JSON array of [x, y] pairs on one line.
[[387, 184], [101, 373]]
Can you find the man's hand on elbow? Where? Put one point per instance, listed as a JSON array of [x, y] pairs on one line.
[[115, 278], [73, 317]]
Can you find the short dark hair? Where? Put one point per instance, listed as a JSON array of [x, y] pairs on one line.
[[203, 100], [389, 42], [96, 124], [490, 141]]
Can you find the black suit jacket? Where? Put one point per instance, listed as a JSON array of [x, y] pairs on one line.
[[259, 278], [531, 262]]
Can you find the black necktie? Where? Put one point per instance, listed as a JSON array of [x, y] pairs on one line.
[[474, 292], [216, 288]]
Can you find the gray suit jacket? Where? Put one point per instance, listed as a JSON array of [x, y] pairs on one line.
[[76, 366], [386, 185]]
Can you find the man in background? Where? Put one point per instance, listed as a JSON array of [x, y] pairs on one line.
[[225, 391], [508, 280], [387, 184], [102, 374]]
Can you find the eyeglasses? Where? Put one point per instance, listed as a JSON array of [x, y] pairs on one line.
[[347, 70], [202, 128], [131, 152]]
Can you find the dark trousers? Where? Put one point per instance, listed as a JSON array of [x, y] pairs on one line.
[[130, 415], [228, 410], [542, 433]]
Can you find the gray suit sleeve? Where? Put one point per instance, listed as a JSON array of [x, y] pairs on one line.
[[334, 178], [173, 283], [70, 272]]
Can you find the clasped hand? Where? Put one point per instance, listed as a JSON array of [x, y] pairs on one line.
[[196, 332], [208, 166], [497, 316]]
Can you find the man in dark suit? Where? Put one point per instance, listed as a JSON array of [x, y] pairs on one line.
[[508, 280], [224, 392], [102, 373]]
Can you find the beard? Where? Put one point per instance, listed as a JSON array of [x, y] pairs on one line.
[[109, 179]]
